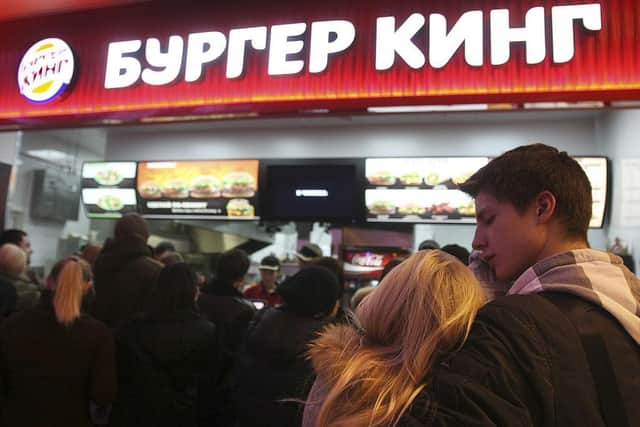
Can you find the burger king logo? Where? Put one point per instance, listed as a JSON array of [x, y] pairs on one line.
[[45, 70]]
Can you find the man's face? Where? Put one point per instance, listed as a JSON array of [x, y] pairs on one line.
[[268, 277], [25, 245], [510, 241]]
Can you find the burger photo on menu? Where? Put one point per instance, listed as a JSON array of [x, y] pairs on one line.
[[411, 178], [443, 209], [110, 202], [150, 190], [175, 189], [238, 184], [381, 178], [381, 207], [108, 177], [432, 179], [240, 208], [205, 187], [411, 209]]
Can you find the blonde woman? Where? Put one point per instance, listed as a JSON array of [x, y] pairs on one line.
[[13, 268], [53, 359], [369, 373]]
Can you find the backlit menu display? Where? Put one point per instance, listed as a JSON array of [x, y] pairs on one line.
[[420, 190], [215, 189], [108, 189], [596, 170]]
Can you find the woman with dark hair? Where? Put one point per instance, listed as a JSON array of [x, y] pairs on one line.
[[168, 356], [54, 360]]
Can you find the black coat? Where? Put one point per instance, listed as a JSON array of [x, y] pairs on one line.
[[125, 277], [8, 297], [49, 372], [164, 367], [229, 311], [524, 365], [272, 366]]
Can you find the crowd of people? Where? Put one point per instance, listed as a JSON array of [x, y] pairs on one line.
[[533, 327]]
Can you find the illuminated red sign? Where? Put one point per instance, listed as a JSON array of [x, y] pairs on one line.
[[148, 59]]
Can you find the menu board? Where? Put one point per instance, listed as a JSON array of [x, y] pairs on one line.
[[596, 170], [215, 189], [108, 189], [420, 190]]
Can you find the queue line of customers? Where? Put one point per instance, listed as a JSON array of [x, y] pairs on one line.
[[423, 348]]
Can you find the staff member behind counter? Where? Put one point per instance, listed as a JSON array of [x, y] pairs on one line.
[[266, 289]]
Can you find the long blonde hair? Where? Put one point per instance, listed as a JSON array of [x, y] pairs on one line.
[[70, 279], [422, 311]]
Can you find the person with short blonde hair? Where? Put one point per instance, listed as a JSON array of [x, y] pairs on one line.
[[13, 266], [370, 372]]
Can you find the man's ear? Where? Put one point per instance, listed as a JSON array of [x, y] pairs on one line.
[[545, 206]]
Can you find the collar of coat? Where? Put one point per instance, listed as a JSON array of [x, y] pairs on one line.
[[596, 276]]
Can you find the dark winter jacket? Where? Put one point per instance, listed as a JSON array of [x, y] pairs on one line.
[[125, 276], [8, 297], [164, 366], [524, 365], [271, 366], [229, 311], [50, 372]]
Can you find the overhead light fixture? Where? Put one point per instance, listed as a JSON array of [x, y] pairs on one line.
[[171, 119], [429, 108], [562, 105], [55, 156]]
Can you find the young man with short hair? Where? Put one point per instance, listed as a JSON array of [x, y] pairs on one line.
[[562, 347], [266, 289]]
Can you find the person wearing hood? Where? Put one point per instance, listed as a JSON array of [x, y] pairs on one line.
[[273, 375], [562, 347], [125, 272]]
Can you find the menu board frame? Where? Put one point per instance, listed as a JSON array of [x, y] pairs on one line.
[[358, 210], [189, 199], [423, 184], [110, 181], [607, 196]]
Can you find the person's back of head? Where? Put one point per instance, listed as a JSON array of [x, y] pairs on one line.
[[162, 248], [69, 280], [312, 292], [130, 225], [170, 258], [457, 251], [428, 244], [232, 266], [12, 235], [360, 295], [334, 266], [175, 292], [421, 311], [13, 260]]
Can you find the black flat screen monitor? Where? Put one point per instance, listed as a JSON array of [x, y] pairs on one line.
[[327, 192]]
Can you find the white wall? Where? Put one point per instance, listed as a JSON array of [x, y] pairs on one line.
[[475, 134], [617, 133], [44, 235], [8, 147]]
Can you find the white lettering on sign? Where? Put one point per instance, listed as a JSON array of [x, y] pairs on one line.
[[203, 48], [237, 41], [286, 44], [280, 47], [169, 61], [562, 18], [322, 46], [122, 71], [390, 41], [532, 34], [467, 31]]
